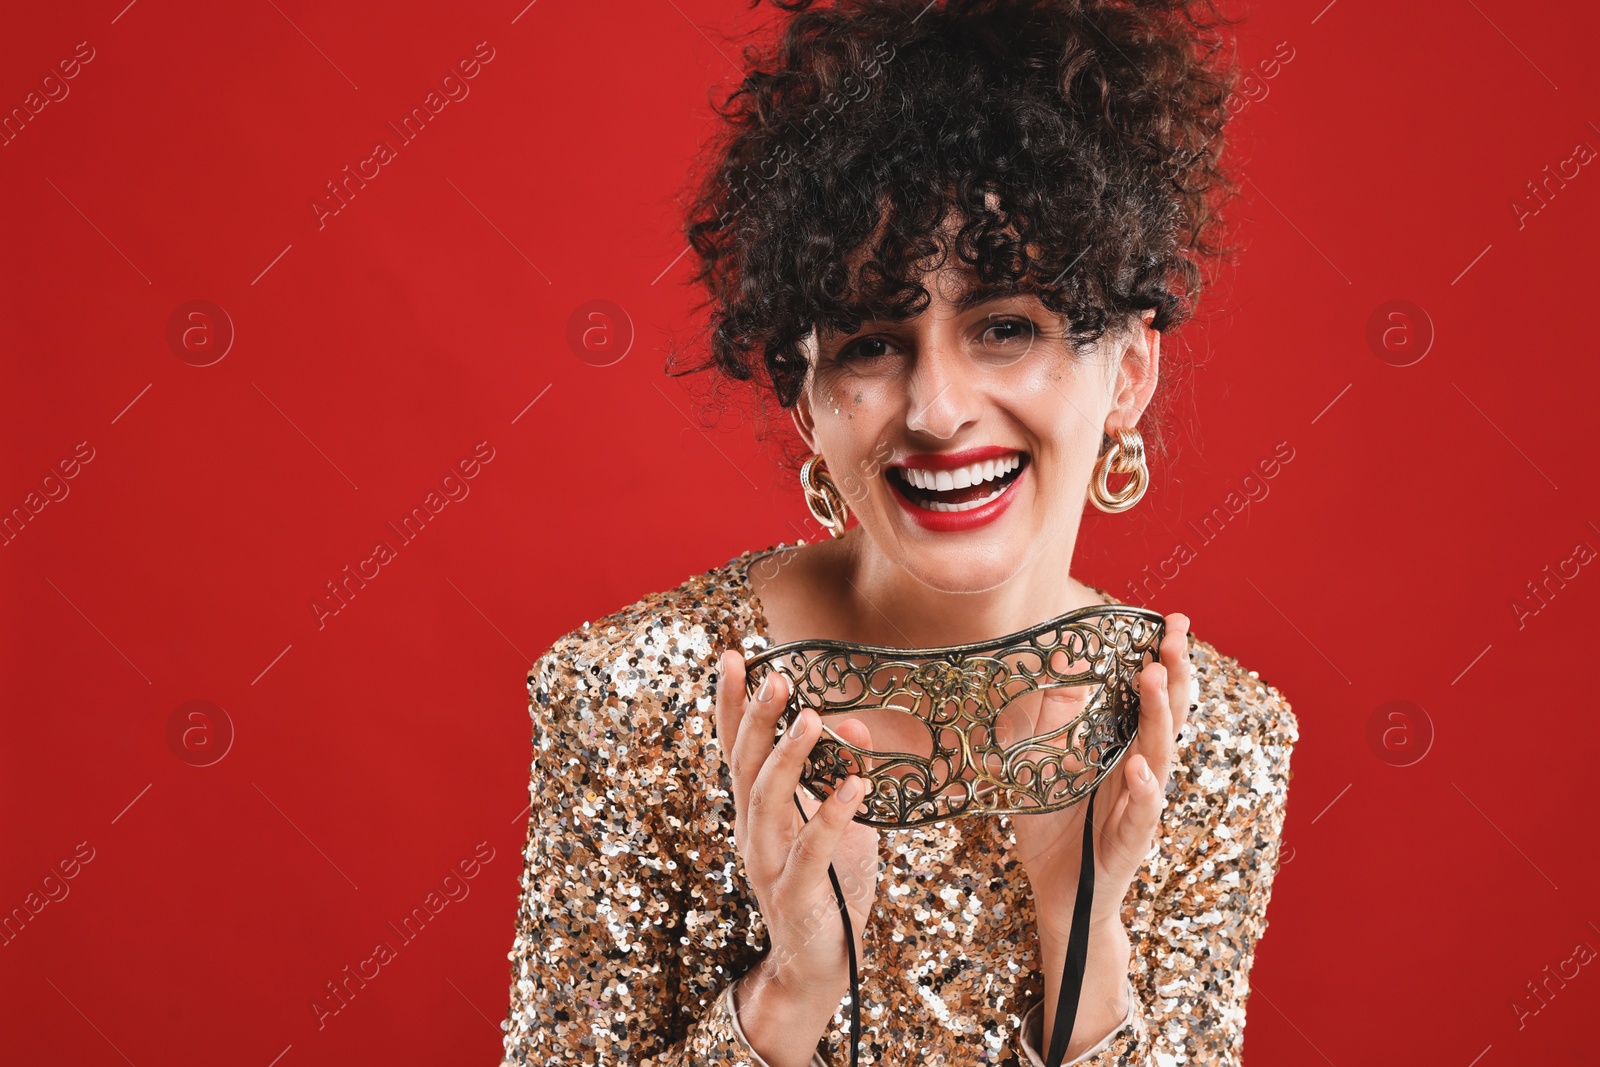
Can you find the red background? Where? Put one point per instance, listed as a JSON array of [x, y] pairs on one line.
[[373, 753]]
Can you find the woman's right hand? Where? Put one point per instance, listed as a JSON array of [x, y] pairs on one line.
[[786, 858]]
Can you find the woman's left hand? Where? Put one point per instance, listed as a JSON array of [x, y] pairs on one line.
[[1127, 807]]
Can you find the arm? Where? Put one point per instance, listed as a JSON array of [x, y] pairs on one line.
[[1196, 920], [778, 1018], [595, 967]]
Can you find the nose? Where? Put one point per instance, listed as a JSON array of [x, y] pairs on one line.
[[940, 399]]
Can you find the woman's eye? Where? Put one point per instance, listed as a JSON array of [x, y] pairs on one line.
[[865, 348], [1008, 333]]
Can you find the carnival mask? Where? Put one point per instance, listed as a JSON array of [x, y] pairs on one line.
[[966, 745], [966, 742]]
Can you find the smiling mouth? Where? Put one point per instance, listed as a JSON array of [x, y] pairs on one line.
[[962, 489]]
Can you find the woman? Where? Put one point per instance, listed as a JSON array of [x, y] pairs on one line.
[[950, 238]]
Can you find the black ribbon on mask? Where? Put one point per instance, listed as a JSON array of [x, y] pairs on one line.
[[1072, 973]]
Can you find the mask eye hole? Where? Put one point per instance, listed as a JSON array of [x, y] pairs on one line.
[[893, 731]]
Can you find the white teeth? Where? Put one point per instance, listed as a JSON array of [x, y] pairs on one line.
[[972, 474], [939, 505]]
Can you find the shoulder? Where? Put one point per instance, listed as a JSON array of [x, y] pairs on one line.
[[658, 651], [1236, 744], [1232, 696]]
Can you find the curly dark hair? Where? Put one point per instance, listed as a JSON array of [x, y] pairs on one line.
[[1076, 142]]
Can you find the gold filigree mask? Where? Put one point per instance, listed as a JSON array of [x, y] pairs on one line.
[[955, 730]]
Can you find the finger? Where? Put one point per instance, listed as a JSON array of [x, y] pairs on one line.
[[761, 710], [818, 840], [855, 732], [1180, 673], [850, 731], [730, 705], [1061, 704], [1134, 832], [1157, 740], [1058, 708], [769, 814]]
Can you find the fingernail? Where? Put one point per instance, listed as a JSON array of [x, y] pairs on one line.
[[766, 688], [850, 791], [1144, 772], [798, 727]]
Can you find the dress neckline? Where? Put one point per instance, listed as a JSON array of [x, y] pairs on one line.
[[752, 600]]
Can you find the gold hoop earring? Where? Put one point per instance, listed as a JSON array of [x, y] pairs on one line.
[[823, 498], [1125, 456]]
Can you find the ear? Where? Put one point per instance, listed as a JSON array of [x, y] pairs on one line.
[[804, 417], [1138, 370]]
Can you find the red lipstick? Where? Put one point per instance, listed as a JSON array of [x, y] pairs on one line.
[[947, 461], [943, 521]]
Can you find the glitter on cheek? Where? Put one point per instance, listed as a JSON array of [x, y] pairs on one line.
[[637, 915]]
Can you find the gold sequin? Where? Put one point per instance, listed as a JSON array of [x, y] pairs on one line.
[[636, 913]]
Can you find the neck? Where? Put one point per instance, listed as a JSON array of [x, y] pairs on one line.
[[882, 603]]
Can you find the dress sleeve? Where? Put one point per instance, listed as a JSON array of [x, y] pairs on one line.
[[1130, 1033], [732, 1009], [594, 971], [1200, 917]]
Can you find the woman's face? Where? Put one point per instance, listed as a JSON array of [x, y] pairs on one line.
[[964, 439]]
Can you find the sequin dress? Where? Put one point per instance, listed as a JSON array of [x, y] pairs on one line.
[[636, 915]]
